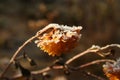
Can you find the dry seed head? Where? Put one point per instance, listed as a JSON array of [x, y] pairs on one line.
[[112, 71], [58, 39]]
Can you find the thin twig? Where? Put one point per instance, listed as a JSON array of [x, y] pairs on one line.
[[95, 76], [58, 67], [111, 45], [21, 47], [77, 56], [47, 69], [62, 67], [93, 49], [16, 53], [41, 71], [95, 62]]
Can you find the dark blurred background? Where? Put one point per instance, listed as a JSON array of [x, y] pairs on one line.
[[21, 19]]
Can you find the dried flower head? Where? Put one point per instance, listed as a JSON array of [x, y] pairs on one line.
[[58, 39], [112, 71]]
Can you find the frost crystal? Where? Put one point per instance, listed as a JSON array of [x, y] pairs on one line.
[[59, 40], [112, 71], [113, 67]]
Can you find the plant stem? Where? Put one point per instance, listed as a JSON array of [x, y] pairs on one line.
[[22, 46], [16, 53]]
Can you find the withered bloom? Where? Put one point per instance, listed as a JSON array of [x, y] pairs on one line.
[[112, 71], [59, 39]]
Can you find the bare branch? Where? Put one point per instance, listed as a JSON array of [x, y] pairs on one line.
[[95, 62], [16, 53], [93, 49], [55, 67], [21, 47], [95, 76], [41, 71]]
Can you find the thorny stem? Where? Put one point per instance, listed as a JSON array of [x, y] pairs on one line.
[[21, 47]]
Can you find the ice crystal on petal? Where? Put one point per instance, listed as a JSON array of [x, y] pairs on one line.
[[59, 40], [112, 71]]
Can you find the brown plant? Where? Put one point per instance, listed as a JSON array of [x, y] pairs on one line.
[[112, 70], [57, 39]]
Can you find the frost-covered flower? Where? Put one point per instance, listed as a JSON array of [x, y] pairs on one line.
[[112, 71], [59, 39]]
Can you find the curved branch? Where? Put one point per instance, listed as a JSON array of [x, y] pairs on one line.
[[16, 53], [93, 49], [22, 46], [55, 67], [96, 62]]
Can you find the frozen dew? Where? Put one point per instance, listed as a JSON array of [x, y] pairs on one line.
[[60, 39]]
